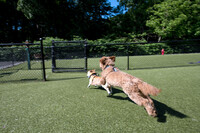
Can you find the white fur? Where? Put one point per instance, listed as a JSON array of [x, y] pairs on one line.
[[91, 78]]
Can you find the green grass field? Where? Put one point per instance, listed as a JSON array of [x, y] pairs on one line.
[[65, 104], [153, 61]]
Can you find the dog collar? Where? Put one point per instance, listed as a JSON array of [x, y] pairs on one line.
[[114, 69], [94, 74], [107, 66]]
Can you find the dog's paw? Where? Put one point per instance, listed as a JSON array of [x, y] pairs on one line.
[[88, 86], [109, 95]]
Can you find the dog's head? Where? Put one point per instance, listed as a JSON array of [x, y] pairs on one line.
[[90, 72], [107, 61]]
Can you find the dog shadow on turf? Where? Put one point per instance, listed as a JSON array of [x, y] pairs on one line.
[[162, 109], [114, 91]]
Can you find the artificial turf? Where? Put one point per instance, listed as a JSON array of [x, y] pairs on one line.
[[65, 104]]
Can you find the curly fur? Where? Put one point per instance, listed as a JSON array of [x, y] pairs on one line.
[[136, 89]]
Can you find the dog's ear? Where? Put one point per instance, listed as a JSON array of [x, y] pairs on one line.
[[103, 60], [112, 58]]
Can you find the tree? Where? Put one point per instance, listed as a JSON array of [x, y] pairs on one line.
[[132, 19], [92, 18], [14, 27], [175, 19], [65, 18]]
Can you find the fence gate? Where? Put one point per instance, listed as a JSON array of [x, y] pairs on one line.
[[22, 62], [69, 56]]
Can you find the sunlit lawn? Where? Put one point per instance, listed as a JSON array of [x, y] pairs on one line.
[[65, 104]]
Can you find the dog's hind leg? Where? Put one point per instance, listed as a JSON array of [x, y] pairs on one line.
[[148, 104], [142, 100]]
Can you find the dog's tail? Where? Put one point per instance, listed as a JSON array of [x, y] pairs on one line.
[[148, 89]]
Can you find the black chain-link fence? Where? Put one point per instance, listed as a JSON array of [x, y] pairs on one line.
[[21, 62], [147, 55], [67, 56]]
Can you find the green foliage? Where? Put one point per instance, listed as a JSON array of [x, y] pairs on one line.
[[27, 7], [99, 47], [131, 37], [84, 18], [47, 41], [175, 19], [2, 0], [131, 21]]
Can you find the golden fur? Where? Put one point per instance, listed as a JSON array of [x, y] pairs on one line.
[[136, 89]]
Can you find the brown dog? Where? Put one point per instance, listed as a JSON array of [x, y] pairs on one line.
[[136, 89], [98, 81]]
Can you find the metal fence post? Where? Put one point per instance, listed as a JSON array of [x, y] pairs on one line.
[[85, 52], [53, 56], [128, 57], [28, 57], [43, 63], [13, 60]]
